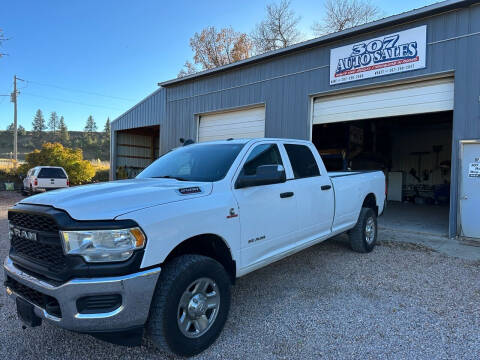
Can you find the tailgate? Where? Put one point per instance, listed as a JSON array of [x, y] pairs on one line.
[[51, 183]]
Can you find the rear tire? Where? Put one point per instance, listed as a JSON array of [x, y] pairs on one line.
[[363, 237], [179, 301]]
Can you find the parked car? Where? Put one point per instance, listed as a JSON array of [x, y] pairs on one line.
[[43, 178], [161, 251]]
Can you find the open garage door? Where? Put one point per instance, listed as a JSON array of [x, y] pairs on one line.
[[248, 123], [404, 130], [405, 99]]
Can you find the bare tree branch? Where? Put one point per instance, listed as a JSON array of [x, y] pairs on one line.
[[278, 30], [344, 14], [2, 39]]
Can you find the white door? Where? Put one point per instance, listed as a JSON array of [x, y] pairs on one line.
[[314, 193], [470, 189], [248, 123], [412, 98], [268, 214]]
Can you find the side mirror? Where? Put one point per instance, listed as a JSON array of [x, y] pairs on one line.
[[265, 175]]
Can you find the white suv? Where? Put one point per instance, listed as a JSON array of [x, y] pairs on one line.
[[42, 178]]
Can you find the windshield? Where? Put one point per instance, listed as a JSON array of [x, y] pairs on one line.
[[199, 162]]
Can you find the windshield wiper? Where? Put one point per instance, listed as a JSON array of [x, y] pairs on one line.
[[170, 177]]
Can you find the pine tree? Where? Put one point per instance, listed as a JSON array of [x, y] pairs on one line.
[[106, 129], [63, 131], [38, 123], [53, 122], [20, 129], [90, 126]]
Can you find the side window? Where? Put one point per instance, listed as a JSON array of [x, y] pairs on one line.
[[302, 160], [265, 154]]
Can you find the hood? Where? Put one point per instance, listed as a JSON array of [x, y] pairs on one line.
[[105, 201]]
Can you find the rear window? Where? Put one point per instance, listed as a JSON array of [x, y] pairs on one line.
[[302, 160], [51, 173]]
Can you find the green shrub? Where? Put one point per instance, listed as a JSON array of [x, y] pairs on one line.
[[101, 175], [55, 154]]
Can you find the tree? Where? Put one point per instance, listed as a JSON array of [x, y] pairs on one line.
[[214, 48], [90, 126], [55, 154], [63, 131], [188, 69], [106, 134], [38, 124], [53, 122], [20, 129], [344, 14], [2, 39], [278, 30], [106, 128]]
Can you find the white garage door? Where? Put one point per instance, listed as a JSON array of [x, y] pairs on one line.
[[249, 123], [413, 98]]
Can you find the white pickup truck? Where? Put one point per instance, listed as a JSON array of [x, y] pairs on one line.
[[160, 252]]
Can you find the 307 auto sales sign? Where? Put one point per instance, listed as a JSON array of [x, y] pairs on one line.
[[390, 54]]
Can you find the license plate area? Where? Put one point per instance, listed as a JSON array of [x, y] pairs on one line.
[[26, 313]]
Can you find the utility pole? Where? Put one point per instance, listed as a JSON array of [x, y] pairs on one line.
[[15, 130]]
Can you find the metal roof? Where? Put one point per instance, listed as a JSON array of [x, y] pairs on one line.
[[429, 10]]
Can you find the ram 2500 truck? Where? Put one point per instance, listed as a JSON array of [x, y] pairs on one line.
[[159, 253]]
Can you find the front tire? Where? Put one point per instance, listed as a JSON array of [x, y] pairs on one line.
[[363, 237], [190, 305]]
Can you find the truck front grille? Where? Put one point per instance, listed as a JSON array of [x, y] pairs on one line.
[[50, 256], [46, 251], [33, 221]]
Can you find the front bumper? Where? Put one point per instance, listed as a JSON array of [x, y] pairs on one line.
[[136, 290]]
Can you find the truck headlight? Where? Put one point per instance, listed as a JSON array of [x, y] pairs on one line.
[[103, 245]]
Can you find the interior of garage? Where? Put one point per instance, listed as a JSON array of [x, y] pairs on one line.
[[414, 151], [136, 149]]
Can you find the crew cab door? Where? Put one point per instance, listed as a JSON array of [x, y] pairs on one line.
[[313, 190], [268, 213]]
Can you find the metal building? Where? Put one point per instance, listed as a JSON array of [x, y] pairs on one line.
[[401, 94]]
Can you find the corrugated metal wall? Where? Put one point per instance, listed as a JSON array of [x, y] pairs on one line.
[[286, 83], [150, 111]]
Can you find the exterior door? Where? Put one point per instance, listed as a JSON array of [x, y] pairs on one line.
[[314, 192], [470, 189], [268, 220]]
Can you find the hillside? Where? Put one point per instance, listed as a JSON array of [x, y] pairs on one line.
[[94, 147]]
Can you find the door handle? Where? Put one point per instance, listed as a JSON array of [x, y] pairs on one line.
[[326, 187], [286, 194]]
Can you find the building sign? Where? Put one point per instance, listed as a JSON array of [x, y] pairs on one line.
[[474, 170], [390, 54]]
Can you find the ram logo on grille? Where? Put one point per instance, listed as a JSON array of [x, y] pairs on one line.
[[24, 234]]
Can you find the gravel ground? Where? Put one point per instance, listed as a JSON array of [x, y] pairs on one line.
[[399, 302]]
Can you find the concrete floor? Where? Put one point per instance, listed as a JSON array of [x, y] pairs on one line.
[[422, 219], [425, 225]]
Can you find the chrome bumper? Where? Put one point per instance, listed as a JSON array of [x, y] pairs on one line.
[[136, 291]]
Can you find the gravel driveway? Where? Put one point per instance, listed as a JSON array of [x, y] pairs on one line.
[[399, 302]]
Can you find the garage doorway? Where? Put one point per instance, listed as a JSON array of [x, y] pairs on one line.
[[136, 149], [413, 149]]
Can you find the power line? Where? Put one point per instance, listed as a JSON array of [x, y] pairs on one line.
[[71, 102], [79, 91]]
